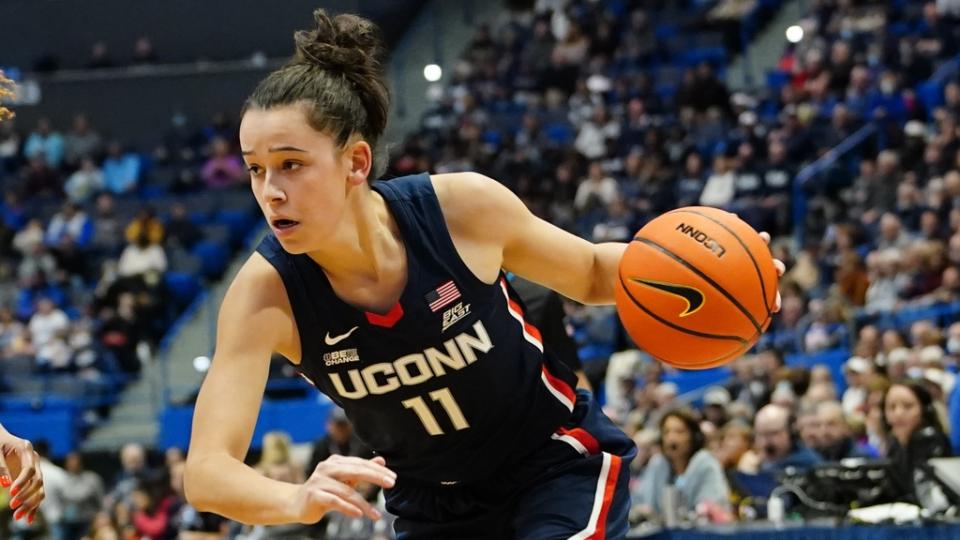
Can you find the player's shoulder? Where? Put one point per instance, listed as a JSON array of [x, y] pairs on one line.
[[257, 288], [468, 198]]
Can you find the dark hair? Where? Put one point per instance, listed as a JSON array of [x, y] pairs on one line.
[[697, 439], [928, 414], [336, 69]]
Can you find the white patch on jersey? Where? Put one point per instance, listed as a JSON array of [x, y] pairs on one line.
[[345, 356], [454, 314]]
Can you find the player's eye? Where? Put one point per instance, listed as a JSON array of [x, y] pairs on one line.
[[254, 170], [291, 165]]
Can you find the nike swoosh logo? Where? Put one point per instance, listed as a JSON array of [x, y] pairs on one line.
[[334, 340], [691, 296]]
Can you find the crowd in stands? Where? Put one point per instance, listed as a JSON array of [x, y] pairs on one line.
[[102, 246], [600, 115]]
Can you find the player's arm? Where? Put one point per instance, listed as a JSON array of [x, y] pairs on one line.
[[252, 324], [481, 209]]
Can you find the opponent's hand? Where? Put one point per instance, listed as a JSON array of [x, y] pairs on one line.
[[331, 487], [781, 268], [20, 466]]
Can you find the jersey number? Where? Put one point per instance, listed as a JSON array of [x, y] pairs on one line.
[[445, 398]]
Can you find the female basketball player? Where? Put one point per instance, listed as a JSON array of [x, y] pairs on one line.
[[390, 298], [26, 491]]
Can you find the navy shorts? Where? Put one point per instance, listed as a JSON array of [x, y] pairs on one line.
[[575, 486]]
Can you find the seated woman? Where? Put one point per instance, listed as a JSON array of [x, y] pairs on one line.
[[685, 464], [915, 435]]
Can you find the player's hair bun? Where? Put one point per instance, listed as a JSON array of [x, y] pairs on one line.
[[343, 43]]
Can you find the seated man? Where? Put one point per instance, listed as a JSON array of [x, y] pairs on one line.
[[773, 442], [836, 438]]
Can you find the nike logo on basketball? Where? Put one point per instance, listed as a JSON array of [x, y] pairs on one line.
[[334, 340], [693, 297]]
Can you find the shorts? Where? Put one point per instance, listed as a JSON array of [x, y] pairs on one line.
[[574, 486]]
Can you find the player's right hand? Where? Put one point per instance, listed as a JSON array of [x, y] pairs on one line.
[[331, 488]]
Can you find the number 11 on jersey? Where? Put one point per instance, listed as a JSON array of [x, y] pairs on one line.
[[445, 398]]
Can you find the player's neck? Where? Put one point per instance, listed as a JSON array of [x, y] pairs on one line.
[[367, 245]]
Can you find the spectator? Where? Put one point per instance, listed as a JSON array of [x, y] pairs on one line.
[[597, 189], [133, 462], [45, 143], [684, 463], [41, 180], [69, 222], [82, 496], [106, 226], [145, 223], [81, 142], [143, 53], [595, 134], [181, 231], [47, 323], [99, 57], [121, 171], [856, 370], [915, 435], [222, 169], [85, 182], [142, 258], [735, 452], [121, 332], [721, 184], [836, 437], [776, 444]]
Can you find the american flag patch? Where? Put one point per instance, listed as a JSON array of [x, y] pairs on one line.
[[442, 295]]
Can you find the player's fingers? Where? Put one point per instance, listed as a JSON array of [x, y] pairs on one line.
[[379, 461], [776, 305], [30, 503], [29, 469], [5, 479], [765, 236], [356, 472], [351, 496], [781, 268], [336, 463], [330, 502]]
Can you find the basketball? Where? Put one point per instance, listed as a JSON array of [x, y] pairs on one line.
[[696, 287]]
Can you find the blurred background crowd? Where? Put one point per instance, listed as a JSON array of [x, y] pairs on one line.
[[600, 114]]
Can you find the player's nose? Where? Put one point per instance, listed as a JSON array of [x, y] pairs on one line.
[[271, 190]]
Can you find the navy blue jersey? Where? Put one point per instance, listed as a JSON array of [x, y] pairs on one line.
[[448, 386]]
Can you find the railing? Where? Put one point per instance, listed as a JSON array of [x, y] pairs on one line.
[[815, 169]]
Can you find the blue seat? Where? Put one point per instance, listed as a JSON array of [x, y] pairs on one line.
[[182, 286], [213, 258], [777, 79], [239, 221], [560, 133]]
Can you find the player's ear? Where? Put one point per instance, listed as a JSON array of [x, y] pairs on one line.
[[360, 156]]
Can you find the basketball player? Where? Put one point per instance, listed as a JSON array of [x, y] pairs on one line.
[[26, 491], [390, 297]]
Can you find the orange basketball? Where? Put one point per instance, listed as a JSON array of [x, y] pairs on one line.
[[697, 287]]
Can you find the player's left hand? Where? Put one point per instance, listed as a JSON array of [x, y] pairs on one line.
[[20, 471], [781, 268]]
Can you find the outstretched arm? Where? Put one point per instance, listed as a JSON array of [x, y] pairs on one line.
[[481, 211], [251, 326]]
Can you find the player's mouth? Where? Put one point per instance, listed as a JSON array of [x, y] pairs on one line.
[[283, 226]]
